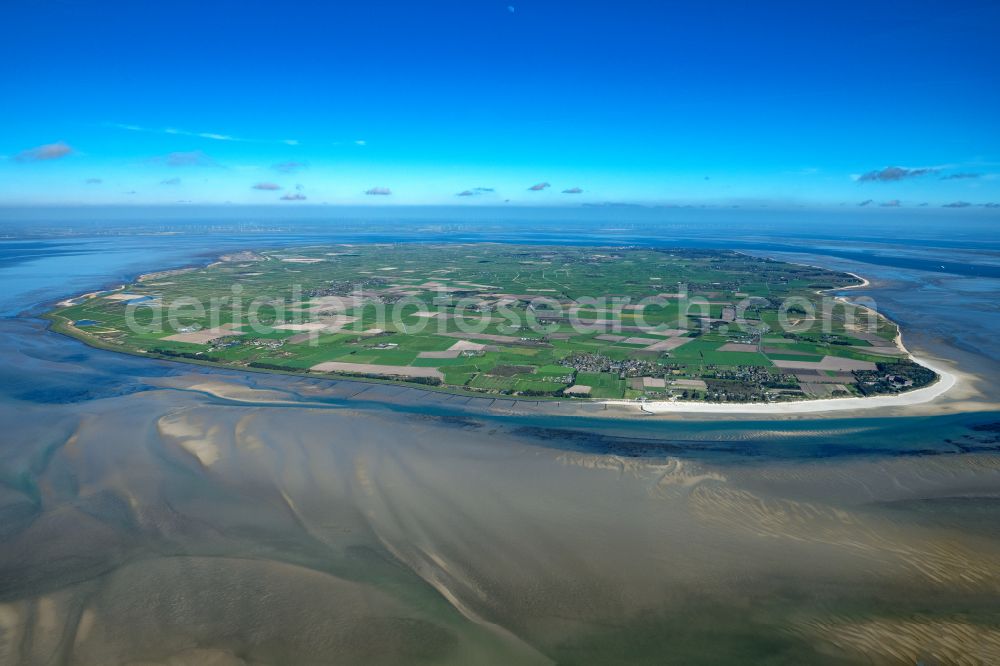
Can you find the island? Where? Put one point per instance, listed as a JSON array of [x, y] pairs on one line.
[[606, 323]]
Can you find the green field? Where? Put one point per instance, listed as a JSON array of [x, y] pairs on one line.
[[512, 320]]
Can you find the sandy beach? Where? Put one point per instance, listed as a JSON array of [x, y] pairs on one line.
[[945, 383]]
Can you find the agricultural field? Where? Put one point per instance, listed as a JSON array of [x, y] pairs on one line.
[[581, 322]]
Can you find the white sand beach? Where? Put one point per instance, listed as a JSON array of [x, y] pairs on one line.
[[946, 382]]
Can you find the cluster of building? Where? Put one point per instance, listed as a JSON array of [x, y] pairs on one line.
[[590, 362]]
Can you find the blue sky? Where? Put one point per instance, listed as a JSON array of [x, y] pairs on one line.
[[659, 103]]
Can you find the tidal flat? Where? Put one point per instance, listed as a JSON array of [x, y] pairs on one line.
[[205, 519]]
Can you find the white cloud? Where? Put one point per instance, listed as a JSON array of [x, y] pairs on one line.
[[211, 136]]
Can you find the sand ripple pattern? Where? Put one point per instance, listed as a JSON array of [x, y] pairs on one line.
[[941, 560], [912, 641]]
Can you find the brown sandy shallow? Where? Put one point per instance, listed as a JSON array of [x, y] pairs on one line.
[[912, 640], [212, 522]]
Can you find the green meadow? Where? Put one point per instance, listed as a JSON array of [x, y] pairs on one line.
[[508, 320]]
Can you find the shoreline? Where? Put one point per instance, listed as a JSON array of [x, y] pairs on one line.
[[944, 383]]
